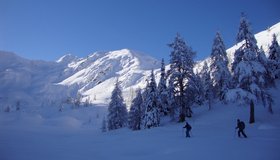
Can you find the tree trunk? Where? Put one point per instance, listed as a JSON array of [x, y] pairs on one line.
[[252, 112], [270, 108], [189, 112], [182, 116], [209, 104]]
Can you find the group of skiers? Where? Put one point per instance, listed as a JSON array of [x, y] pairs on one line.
[[240, 126]]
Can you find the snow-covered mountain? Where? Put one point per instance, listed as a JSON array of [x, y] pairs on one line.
[[95, 76], [38, 83]]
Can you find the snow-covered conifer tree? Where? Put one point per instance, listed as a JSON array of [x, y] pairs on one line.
[[182, 75], [152, 116], [246, 34], [117, 112], [274, 59], [207, 85], [264, 61], [162, 90], [219, 71], [248, 72], [172, 105], [144, 96], [18, 105], [135, 114], [7, 109]]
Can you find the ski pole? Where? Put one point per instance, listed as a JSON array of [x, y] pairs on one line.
[[191, 133]]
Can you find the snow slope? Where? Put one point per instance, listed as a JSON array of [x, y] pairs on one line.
[[264, 39], [76, 134], [28, 82]]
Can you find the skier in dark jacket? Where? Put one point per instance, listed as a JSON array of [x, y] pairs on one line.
[[188, 129], [240, 126]]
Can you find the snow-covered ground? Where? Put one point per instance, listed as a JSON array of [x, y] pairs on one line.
[[75, 134]]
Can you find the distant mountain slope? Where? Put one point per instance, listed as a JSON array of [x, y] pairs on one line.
[[28, 81], [263, 38]]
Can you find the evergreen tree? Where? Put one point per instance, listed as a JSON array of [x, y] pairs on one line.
[[219, 71], [274, 59], [162, 90], [172, 105], [246, 34], [248, 72], [207, 85], [135, 114], [7, 109], [117, 112], [265, 63], [151, 117], [183, 77], [18, 105], [78, 100], [145, 96]]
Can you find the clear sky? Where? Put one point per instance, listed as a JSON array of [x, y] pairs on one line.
[[48, 29]]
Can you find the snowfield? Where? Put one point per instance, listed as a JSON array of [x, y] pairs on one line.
[[75, 134]]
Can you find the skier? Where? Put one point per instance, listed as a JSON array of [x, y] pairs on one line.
[[240, 126], [188, 129]]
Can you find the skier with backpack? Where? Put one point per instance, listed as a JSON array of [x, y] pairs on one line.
[[240, 126], [188, 129]]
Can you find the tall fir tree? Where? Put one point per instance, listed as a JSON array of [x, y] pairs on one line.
[[274, 59], [219, 71], [261, 57], [117, 112], [172, 105], [145, 96], [162, 90], [183, 77], [207, 84], [246, 34], [248, 71], [135, 113], [152, 116]]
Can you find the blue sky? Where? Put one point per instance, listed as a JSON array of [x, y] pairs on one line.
[[48, 29]]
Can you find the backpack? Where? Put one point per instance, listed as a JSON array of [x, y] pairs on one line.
[[242, 125], [188, 126]]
